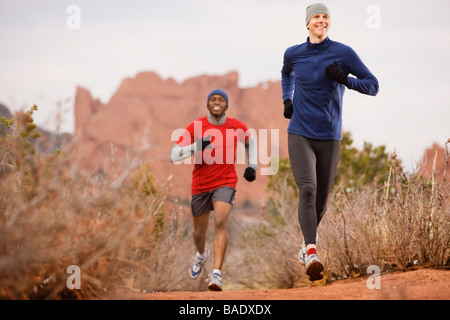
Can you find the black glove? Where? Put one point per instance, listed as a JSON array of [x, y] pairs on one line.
[[288, 109], [206, 141], [250, 174], [334, 72]]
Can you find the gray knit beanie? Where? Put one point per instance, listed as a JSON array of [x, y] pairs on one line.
[[314, 9]]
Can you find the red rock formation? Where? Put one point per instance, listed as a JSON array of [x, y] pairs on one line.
[[434, 163], [146, 110]]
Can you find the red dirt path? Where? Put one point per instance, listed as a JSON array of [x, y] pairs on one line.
[[422, 284]]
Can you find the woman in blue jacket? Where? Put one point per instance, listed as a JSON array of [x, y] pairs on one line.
[[314, 77]]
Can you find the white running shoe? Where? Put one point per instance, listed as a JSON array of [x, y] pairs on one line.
[[303, 254], [314, 268], [196, 269], [215, 283]]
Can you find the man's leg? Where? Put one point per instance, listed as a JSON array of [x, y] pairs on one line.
[[303, 164], [221, 213], [201, 207], [303, 159], [327, 162], [200, 229]]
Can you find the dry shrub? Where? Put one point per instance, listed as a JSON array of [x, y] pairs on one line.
[[116, 227], [121, 230], [403, 224]]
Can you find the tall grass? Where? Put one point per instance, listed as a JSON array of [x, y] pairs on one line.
[[117, 227], [122, 229], [405, 223]]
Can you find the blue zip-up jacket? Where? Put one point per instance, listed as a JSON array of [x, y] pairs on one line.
[[317, 98]]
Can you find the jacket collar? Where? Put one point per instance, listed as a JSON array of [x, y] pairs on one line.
[[319, 46], [212, 120]]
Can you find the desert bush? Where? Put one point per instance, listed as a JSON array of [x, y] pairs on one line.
[[116, 227], [358, 168], [120, 229], [406, 223], [400, 224]]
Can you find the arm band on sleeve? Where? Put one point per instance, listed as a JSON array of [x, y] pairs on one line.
[[252, 153], [178, 153]]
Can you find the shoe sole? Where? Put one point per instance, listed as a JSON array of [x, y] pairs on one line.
[[314, 271], [214, 287]]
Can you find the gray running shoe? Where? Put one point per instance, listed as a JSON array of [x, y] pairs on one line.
[[215, 283], [314, 268], [196, 269]]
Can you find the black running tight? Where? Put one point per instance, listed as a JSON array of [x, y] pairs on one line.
[[314, 165]]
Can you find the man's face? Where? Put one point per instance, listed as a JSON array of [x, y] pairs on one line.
[[217, 105], [319, 25]]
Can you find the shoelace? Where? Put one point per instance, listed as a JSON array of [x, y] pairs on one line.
[[214, 276], [198, 260], [196, 267]]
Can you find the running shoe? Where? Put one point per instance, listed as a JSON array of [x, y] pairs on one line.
[[215, 283], [196, 269], [314, 268], [303, 254]]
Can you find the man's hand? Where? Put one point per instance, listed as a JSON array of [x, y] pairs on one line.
[[206, 141], [288, 109], [334, 72], [202, 144], [250, 174]]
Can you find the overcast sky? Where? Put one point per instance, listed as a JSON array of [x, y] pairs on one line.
[[48, 48]]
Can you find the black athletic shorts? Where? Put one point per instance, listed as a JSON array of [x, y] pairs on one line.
[[203, 203]]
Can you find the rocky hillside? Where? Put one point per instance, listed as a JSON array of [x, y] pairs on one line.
[[434, 163], [4, 112]]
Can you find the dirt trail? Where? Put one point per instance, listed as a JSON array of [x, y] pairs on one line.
[[422, 284]]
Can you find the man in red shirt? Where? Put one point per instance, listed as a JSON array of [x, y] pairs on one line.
[[212, 140]]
